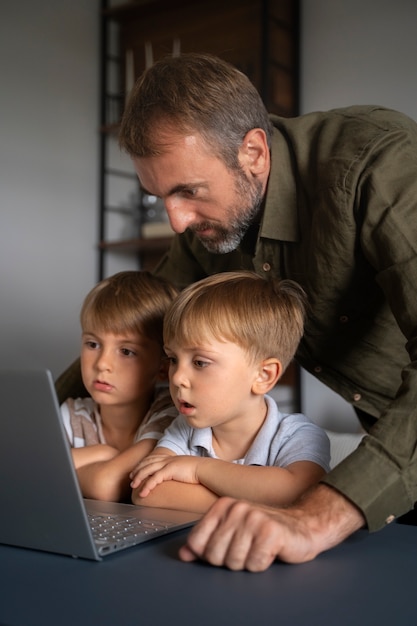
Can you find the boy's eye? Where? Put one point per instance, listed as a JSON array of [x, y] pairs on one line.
[[127, 352], [171, 360], [92, 344], [200, 364]]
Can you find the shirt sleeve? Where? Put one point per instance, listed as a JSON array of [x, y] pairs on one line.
[[380, 477], [301, 440], [177, 437], [81, 422]]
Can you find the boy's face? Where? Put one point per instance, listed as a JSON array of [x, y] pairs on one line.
[[211, 384], [119, 369]]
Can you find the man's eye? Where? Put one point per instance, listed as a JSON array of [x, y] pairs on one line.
[[189, 193]]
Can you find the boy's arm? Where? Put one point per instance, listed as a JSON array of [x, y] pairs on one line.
[[271, 485], [92, 454], [108, 478], [267, 485], [177, 495], [172, 494]]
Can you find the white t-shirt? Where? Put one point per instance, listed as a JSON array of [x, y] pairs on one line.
[[83, 424]]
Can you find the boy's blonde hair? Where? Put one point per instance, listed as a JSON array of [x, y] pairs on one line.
[[131, 301], [263, 316]]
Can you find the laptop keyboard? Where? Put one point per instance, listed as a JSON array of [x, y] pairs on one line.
[[118, 529]]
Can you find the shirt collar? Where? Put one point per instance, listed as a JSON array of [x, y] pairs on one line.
[[280, 214], [258, 452], [201, 438]]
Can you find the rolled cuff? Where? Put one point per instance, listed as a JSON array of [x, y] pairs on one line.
[[373, 484]]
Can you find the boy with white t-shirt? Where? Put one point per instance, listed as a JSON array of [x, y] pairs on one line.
[[126, 405]]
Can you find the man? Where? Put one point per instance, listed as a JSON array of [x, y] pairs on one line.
[[326, 199]]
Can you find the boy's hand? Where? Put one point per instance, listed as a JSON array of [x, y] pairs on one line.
[[155, 469]]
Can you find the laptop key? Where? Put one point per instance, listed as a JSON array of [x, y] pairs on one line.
[[110, 528]]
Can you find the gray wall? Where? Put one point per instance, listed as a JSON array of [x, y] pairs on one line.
[[355, 52], [48, 177]]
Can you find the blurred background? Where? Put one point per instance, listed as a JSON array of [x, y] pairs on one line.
[[356, 52]]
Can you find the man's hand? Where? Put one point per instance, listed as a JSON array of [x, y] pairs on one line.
[[157, 468], [239, 535]]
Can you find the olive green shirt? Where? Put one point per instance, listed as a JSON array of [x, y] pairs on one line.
[[340, 218]]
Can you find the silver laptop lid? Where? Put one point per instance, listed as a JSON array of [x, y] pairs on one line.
[[42, 505]]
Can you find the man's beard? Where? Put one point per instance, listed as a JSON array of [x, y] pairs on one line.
[[227, 238]]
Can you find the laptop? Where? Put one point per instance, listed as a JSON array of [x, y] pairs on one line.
[[41, 503]]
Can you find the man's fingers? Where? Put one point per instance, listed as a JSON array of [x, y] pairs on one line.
[[236, 535], [186, 554], [266, 541], [201, 535], [228, 535], [223, 547], [250, 540]]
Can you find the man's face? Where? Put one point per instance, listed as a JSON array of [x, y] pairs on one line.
[[200, 193]]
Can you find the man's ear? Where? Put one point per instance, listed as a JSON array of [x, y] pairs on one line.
[[268, 375], [254, 154]]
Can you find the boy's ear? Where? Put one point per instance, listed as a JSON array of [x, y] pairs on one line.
[[268, 374]]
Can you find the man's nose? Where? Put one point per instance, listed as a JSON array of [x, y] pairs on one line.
[[179, 214]]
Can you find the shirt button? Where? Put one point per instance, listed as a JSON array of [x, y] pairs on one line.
[[343, 319], [390, 519], [317, 369], [357, 397], [266, 267]]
